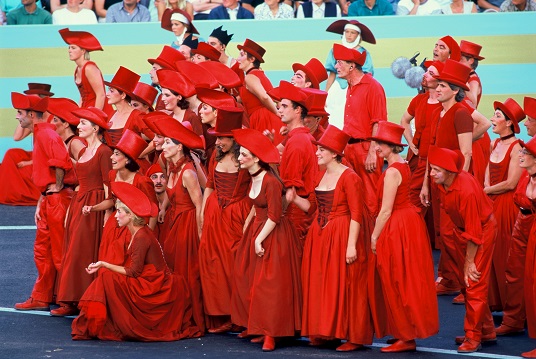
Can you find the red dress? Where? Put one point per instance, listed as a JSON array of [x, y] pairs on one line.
[[335, 298], [21, 190], [505, 212], [147, 304], [268, 297], [405, 266], [83, 233], [181, 243], [226, 210], [87, 95], [530, 281]]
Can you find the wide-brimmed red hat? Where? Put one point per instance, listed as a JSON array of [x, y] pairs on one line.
[[62, 108], [208, 51], [155, 168], [82, 39], [389, 132], [530, 146], [334, 140], [529, 106], [512, 110], [258, 144], [179, 15], [316, 102], [455, 53], [341, 52], [223, 74], [290, 92], [214, 98], [338, 28], [455, 73], [145, 93], [196, 74], [314, 70], [124, 80], [176, 82], [151, 118], [471, 49], [131, 144], [228, 119], [437, 64], [254, 49], [29, 102], [167, 58], [38, 89], [135, 199], [94, 115], [170, 127], [449, 160]]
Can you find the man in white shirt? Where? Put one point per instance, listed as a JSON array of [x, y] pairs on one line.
[[316, 9], [418, 7]]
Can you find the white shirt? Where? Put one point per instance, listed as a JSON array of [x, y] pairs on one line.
[[66, 17], [233, 13], [318, 11], [431, 7]]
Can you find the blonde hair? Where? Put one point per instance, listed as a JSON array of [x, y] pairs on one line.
[[137, 221]]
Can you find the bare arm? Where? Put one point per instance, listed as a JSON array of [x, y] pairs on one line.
[[94, 77], [265, 231], [190, 182], [372, 156], [254, 85], [514, 173], [203, 5], [55, 5], [21, 133], [465, 141], [99, 8], [425, 190], [94, 267], [480, 124], [331, 79], [474, 91], [390, 187], [470, 271], [406, 123]]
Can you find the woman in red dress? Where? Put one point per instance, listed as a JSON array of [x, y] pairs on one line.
[[182, 229], [404, 257], [66, 125], [502, 176], [85, 218], [267, 259], [139, 299]]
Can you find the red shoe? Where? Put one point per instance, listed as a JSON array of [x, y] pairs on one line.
[[486, 338], [443, 290], [459, 299], [400, 346], [469, 346], [504, 329], [243, 334], [269, 344], [348, 347], [31, 304], [316, 341], [64, 310], [258, 340], [221, 329], [531, 354]]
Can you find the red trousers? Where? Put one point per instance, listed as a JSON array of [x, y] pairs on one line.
[[48, 246], [448, 265]]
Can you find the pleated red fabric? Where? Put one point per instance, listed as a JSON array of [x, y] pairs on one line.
[[87, 94], [530, 282], [21, 190], [480, 157]]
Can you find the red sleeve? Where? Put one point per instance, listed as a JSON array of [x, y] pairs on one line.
[[136, 124], [377, 103], [471, 216], [273, 190], [194, 120], [412, 106], [140, 247], [56, 154], [463, 122], [353, 189], [292, 166], [106, 165]]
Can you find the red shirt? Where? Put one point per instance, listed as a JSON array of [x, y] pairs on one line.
[[455, 121], [50, 152], [467, 205], [365, 106], [422, 112]]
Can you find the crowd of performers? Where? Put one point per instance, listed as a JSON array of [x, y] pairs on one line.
[[225, 204]]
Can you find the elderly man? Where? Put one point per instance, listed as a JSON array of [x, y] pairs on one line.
[[229, 10], [28, 14], [128, 11]]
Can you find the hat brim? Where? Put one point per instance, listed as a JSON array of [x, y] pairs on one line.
[[139, 99], [524, 145], [39, 92], [120, 88], [328, 147], [310, 75], [338, 28], [383, 140], [453, 81], [500, 106], [478, 57], [253, 53], [213, 132]]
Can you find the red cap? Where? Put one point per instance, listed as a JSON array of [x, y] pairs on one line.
[[316, 102], [529, 106], [471, 49], [135, 199], [455, 73], [156, 168], [338, 28], [38, 89], [223, 74], [258, 144], [172, 128], [228, 119], [314, 70], [131, 144], [214, 98], [29, 102], [179, 15], [454, 48], [252, 48], [176, 82], [437, 64], [512, 110], [62, 108], [94, 115], [145, 93], [389, 132], [290, 92], [334, 140], [208, 51], [341, 52], [530, 145], [449, 160], [82, 39], [167, 58], [124, 80], [196, 74]]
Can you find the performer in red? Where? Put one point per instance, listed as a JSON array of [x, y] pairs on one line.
[[269, 252], [140, 299], [159, 179], [309, 75], [66, 124], [143, 97], [166, 60], [471, 247], [317, 117], [54, 178]]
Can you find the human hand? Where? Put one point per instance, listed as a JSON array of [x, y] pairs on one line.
[[258, 249], [351, 255], [86, 210], [373, 242], [161, 216], [24, 164], [470, 273], [370, 162], [94, 267], [269, 134]]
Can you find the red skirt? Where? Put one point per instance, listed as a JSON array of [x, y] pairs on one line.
[[114, 242], [530, 283]]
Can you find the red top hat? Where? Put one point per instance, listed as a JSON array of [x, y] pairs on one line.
[[94, 115], [214, 98], [196, 74], [530, 145], [290, 92], [124, 80], [338, 28], [135, 199], [471, 49], [131, 144], [437, 64], [62, 108], [172, 128], [39, 89], [455, 73], [529, 105], [179, 15], [223, 74], [29, 102], [258, 144], [449, 160], [228, 119], [167, 58], [341, 52], [145, 93], [150, 119], [454, 48], [82, 39], [314, 70], [390, 133], [156, 168], [334, 140], [176, 82], [316, 102], [254, 49], [512, 110], [208, 51]]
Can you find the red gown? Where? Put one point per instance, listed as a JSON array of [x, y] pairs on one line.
[[505, 212], [405, 266], [87, 95], [269, 299], [147, 304], [530, 281], [181, 243], [21, 190], [83, 233]]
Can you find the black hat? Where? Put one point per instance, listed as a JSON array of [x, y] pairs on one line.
[[221, 35], [190, 42]]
